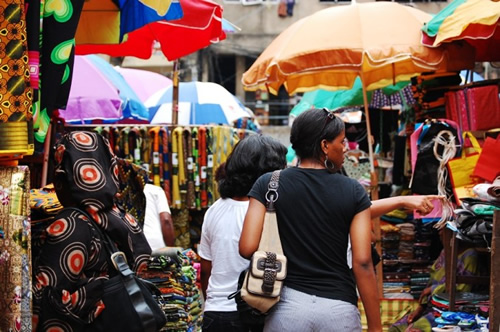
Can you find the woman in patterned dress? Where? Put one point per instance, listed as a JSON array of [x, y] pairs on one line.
[[73, 264]]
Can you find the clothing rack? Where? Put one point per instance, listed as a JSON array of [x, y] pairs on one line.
[[180, 159]]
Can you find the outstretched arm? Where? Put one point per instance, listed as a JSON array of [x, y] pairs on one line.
[[422, 203]]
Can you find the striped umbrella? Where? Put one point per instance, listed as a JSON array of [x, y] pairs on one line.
[[475, 21]]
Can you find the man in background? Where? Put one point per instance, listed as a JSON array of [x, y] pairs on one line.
[[158, 224]]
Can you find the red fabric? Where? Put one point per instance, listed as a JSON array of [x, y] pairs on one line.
[[488, 164], [200, 26], [475, 108]]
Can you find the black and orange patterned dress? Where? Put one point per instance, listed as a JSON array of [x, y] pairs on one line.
[[72, 262]]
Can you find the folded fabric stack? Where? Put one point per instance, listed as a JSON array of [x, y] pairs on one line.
[[174, 275], [44, 203], [390, 241], [406, 240], [396, 217], [476, 303], [475, 221], [429, 93], [460, 321]]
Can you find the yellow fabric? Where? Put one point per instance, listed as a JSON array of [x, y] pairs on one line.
[[305, 56], [177, 154], [484, 12], [461, 169], [390, 310], [160, 6]]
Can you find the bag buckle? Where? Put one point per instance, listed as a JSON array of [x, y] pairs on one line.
[[270, 272], [119, 259]]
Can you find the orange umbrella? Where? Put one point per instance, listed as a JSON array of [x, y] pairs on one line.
[[377, 41]]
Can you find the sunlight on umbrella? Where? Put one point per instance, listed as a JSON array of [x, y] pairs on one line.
[[382, 48], [199, 103]]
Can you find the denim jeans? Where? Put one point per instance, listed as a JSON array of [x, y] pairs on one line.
[[225, 321]]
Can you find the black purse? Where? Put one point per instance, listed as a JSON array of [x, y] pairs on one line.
[[130, 301]]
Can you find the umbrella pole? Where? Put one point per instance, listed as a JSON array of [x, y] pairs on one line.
[[374, 188], [175, 93]]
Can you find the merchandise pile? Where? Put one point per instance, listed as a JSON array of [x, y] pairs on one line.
[[173, 272]]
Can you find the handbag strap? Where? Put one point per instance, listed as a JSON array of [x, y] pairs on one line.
[[270, 239], [119, 261], [473, 140], [116, 257]]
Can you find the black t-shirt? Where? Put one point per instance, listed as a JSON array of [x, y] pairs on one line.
[[314, 210]]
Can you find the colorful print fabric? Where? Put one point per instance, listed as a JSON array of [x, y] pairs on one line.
[[72, 263], [15, 91], [15, 249]]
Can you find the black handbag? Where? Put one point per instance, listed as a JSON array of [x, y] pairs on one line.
[[130, 303]]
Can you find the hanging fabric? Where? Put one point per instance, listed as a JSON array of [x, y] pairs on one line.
[[196, 167], [165, 167], [202, 162], [188, 147], [15, 252], [155, 155], [177, 169]]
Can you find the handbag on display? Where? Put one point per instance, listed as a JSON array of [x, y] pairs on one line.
[[130, 303], [262, 282], [474, 107], [461, 169], [488, 163]]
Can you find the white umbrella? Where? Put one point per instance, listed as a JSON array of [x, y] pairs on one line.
[[199, 103]]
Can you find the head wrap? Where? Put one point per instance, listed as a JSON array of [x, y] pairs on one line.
[[86, 173]]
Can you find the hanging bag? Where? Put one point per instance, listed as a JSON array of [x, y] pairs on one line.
[[488, 163], [461, 169], [261, 284], [130, 303]]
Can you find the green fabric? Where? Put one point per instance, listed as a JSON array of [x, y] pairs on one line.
[[340, 98], [431, 28]]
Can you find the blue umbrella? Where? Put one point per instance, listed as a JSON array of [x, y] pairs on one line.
[[132, 106], [199, 103]]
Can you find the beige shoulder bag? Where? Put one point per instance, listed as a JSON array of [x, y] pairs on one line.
[[264, 279]]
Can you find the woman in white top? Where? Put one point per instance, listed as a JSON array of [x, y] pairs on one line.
[[221, 263]]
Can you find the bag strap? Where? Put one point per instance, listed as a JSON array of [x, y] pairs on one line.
[[473, 140], [116, 257], [119, 261], [270, 239]]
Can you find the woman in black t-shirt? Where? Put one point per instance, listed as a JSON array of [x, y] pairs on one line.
[[317, 210]]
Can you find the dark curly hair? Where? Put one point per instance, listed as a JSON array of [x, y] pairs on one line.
[[310, 128], [250, 158]]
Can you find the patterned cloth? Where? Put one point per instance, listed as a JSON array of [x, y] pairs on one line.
[[15, 91], [15, 250], [466, 266], [132, 179], [390, 311], [72, 264]]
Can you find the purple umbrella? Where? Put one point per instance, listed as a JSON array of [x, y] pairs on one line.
[[145, 83], [92, 95]]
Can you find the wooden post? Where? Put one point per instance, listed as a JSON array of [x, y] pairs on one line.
[[495, 275], [175, 93], [374, 190]]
